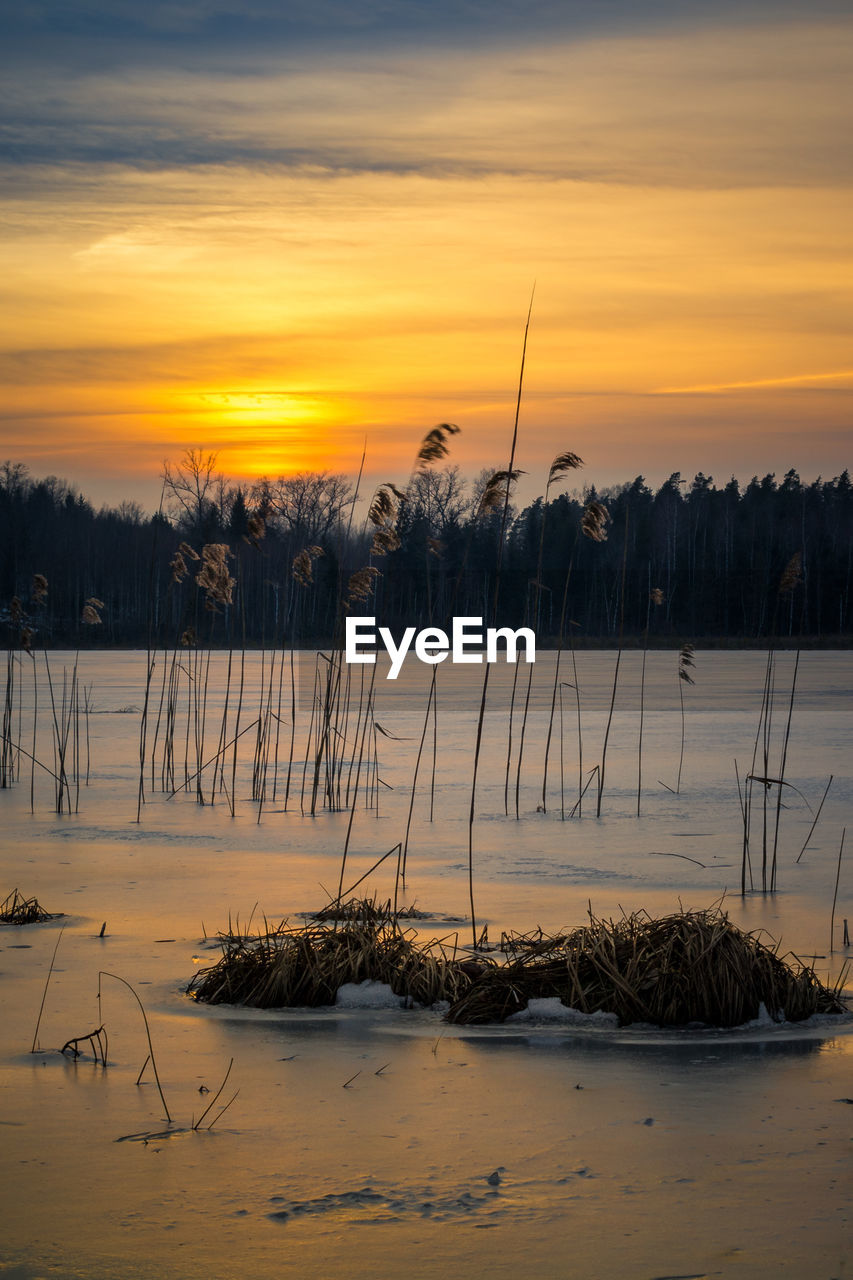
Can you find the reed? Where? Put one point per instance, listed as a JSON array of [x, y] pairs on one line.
[[562, 464], [655, 597], [835, 896], [768, 778], [685, 664], [601, 771], [495, 494], [103, 974], [34, 1048]]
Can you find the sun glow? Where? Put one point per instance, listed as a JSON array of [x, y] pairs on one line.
[[686, 223]]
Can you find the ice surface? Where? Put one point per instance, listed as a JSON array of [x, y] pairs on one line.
[[745, 1168]]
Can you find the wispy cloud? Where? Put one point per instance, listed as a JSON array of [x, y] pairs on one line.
[[670, 109], [758, 384]]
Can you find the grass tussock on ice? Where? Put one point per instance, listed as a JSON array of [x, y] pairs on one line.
[[16, 909], [689, 967]]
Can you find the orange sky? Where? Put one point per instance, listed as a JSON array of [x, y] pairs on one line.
[[278, 256]]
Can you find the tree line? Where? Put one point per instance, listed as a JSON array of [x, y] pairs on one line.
[[689, 560]]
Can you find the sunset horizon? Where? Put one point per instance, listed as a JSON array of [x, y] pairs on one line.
[[288, 238]]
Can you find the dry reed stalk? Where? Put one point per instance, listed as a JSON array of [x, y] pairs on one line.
[[357, 779], [782, 771], [560, 642], [509, 738], [35, 723], [97, 1041], [814, 823], [15, 909], [7, 750], [562, 464], [685, 662], [34, 1048], [601, 772], [103, 974], [655, 597], [835, 893], [196, 1124], [429, 706], [500, 480]]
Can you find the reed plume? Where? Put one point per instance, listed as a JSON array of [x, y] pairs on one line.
[[497, 491], [595, 520], [90, 614], [214, 578], [361, 585], [302, 569], [434, 446]]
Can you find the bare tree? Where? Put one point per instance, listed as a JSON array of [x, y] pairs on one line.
[[306, 506], [438, 498], [192, 488]]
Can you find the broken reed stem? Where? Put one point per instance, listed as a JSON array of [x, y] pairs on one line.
[[835, 894], [34, 1048], [219, 756], [102, 973], [98, 1043], [817, 815], [196, 1125]]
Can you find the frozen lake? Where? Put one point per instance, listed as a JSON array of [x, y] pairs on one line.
[[591, 1151]]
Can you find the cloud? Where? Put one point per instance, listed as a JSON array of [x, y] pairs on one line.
[[804, 380], [216, 228], [768, 105]]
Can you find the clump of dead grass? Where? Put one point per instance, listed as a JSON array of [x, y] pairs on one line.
[[367, 911], [693, 966], [15, 909], [292, 966], [690, 967]]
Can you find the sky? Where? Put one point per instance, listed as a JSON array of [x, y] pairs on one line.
[[287, 232]]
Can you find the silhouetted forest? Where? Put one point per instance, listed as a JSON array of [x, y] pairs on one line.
[[713, 557]]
